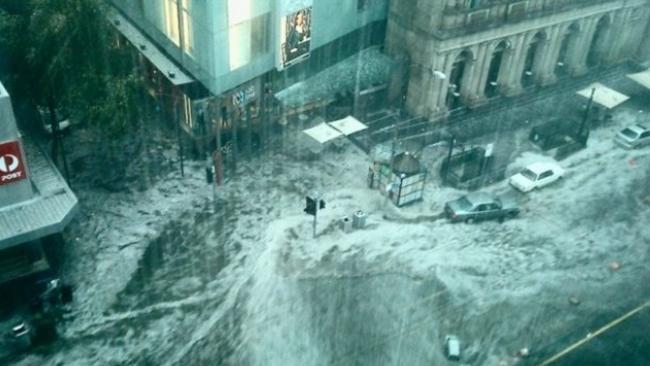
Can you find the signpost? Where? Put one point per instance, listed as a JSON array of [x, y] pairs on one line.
[[312, 207]]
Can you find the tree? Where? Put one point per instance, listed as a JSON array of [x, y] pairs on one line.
[[64, 56]]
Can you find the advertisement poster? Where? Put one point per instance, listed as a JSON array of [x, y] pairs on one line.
[[295, 35]]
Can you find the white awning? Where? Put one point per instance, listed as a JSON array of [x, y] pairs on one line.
[[323, 133], [149, 50], [642, 78], [608, 98], [348, 125]]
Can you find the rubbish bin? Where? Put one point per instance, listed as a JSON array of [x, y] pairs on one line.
[[346, 224], [359, 220]]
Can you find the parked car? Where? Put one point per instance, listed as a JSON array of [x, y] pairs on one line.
[[536, 175], [481, 206], [452, 348], [633, 136]]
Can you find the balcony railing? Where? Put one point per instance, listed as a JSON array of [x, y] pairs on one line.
[[457, 17]]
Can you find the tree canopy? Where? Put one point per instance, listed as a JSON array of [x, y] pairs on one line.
[[62, 53]]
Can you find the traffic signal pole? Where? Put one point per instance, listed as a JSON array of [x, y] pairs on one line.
[[315, 214], [311, 208]]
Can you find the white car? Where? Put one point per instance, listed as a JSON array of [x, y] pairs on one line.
[[633, 136], [536, 175]]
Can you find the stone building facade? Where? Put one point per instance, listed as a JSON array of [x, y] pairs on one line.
[[464, 52]]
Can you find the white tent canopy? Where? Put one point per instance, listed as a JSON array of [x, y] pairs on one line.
[[608, 98], [322, 133], [329, 131], [642, 78], [348, 125]]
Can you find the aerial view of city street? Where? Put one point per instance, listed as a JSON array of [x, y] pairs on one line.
[[335, 182]]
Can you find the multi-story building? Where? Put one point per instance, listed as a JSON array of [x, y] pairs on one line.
[[234, 52], [464, 52]]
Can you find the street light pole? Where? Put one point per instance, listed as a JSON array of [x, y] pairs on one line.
[[179, 139], [585, 116]]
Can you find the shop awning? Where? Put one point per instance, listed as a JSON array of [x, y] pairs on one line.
[[607, 97], [642, 78], [348, 125], [323, 133], [149, 50]]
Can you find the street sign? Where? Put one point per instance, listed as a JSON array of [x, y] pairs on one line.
[[12, 167], [312, 205]]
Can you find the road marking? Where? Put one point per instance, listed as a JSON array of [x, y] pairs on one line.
[[591, 336]]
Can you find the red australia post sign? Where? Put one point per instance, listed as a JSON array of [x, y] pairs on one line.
[[12, 166]]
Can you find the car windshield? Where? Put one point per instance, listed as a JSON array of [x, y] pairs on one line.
[[629, 133], [464, 203], [529, 174]]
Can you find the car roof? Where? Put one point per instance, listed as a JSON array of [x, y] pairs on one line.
[[477, 198], [639, 127], [541, 166]]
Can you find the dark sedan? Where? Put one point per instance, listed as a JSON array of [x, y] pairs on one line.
[[481, 206]]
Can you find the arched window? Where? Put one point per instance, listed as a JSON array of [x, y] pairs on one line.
[[569, 39], [456, 79], [596, 50], [527, 77], [495, 66]]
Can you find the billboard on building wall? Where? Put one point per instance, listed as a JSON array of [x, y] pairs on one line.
[[12, 166], [295, 36]]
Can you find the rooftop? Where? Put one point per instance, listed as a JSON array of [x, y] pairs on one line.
[[47, 212]]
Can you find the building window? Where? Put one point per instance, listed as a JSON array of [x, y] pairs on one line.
[[259, 35], [173, 21], [248, 40]]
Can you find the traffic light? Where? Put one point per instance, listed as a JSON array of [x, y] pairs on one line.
[[310, 209]]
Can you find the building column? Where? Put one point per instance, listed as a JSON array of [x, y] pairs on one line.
[[419, 85], [551, 51], [511, 84], [476, 94], [433, 105], [578, 64], [439, 87]]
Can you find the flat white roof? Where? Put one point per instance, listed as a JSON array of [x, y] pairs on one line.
[[149, 50], [607, 97], [47, 213], [642, 78], [348, 125], [323, 133]]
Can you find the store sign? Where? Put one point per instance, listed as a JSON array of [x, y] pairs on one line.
[[12, 168], [243, 96]]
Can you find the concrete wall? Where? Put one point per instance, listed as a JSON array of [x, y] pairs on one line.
[[210, 64]]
